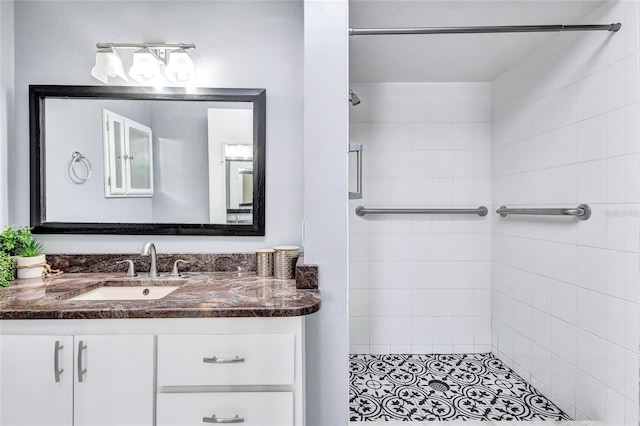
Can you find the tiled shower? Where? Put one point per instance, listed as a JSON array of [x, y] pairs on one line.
[[554, 298]]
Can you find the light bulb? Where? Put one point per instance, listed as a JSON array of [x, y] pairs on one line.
[[146, 67], [179, 69], [109, 68]]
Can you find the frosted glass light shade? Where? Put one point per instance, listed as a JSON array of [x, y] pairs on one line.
[[146, 67], [179, 69], [109, 68]]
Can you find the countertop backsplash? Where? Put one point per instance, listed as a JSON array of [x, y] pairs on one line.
[[199, 262]]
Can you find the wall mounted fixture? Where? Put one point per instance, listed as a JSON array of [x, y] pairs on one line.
[[150, 62]]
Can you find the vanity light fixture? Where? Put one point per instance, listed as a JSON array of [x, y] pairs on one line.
[[150, 61], [109, 68]]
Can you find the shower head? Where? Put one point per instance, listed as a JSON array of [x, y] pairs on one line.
[[353, 98]]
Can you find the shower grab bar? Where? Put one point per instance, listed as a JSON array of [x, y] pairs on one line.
[[357, 148], [480, 211], [614, 27], [582, 212]]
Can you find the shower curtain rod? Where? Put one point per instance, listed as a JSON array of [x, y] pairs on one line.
[[490, 29]]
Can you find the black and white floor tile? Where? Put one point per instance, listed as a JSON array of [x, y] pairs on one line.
[[442, 387]]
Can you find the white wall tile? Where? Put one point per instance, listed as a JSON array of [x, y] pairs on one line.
[[421, 303], [616, 132], [400, 331], [541, 328], [359, 331], [592, 355], [564, 301], [563, 340], [358, 302], [442, 330], [421, 331], [631, 373], [591, 96], [590, 396], [591, 139], [615, 367], [563, 379], [592, 268], [617, 84], [614, 408], [616, 320], [399, 301], [463, 302], [442, 302], [570, 135], [380, 349], [541, 364], [380, 333], [591, 313], [463, 330]]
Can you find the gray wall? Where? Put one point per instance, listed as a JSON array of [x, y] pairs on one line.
[[181, 166], [239, 44], [326, 79], [6, 104], [76, 125]]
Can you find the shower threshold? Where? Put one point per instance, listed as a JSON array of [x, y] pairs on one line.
[[458, 387]]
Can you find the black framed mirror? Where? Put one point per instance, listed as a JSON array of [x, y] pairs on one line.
[[147, 161]]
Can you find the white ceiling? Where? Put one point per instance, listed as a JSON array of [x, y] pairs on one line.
[[455, 57]]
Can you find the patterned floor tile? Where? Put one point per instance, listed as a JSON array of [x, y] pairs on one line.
[[442, 387]]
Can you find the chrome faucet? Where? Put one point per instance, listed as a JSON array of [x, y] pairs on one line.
[[150, 249]]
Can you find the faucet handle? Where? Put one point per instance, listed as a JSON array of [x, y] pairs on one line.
[[174, 272], [131, 272]]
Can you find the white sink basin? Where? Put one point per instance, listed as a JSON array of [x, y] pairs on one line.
[[127, 293]]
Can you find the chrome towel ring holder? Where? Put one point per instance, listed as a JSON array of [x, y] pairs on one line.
[[84, 173]]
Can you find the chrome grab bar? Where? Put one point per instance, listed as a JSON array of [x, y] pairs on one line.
[[582, 212], [480, 211], [357, 148]]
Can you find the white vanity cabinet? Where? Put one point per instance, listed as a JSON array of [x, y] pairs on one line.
[[31, 394], [147, 372], [82, 380]]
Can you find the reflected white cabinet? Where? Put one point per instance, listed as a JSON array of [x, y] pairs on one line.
[[128, 157], [82, 380]]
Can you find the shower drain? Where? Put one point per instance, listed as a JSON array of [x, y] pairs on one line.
[[438, 385]]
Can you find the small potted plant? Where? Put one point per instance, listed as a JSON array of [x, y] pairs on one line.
[[29, 258], [6, 269]]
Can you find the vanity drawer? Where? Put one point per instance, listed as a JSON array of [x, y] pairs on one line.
[[255, 408], [252, 359]]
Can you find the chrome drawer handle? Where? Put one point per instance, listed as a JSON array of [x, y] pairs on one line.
[[81, 371], [216, 360], [214, 419], [57, 371]]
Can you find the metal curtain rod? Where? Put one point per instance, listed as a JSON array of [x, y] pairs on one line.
[[487, 29], [149, 45], [582, 212], [480, 211]]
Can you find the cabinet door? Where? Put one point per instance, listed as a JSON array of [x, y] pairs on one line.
[[115, 154], [32, 393], [114, 380], [140, 159]]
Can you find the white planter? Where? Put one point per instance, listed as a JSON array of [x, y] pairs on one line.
[[35, 272]]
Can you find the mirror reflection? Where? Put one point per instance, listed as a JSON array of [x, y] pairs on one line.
[[152, 161]]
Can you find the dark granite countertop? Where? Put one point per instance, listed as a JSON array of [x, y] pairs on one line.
[[201, 295]]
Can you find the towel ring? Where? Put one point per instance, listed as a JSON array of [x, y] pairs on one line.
[[79, 176]]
